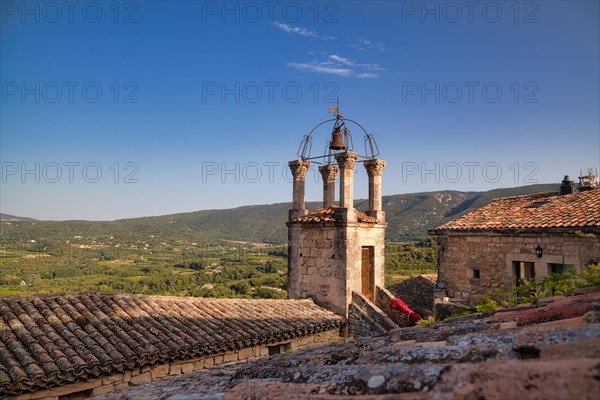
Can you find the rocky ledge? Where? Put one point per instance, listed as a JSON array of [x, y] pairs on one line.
[[550, 350]]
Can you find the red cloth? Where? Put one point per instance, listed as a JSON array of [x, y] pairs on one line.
[[413, 317]]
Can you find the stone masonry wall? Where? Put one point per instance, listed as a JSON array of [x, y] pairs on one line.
[[383, 300], [366, 319], [325, 262], [417, 293], [138, 376], [316, 260], [359, 236], [493, 255]]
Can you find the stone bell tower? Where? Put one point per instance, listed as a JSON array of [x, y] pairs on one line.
[[336, 250]]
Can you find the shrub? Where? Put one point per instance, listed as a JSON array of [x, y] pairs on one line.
[[486, 306], [530, 291], [591, 276], [428, 321]]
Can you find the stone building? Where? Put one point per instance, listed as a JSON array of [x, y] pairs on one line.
[[336, 251], [518, 238]]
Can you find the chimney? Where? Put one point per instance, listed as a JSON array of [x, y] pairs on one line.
[[567, 186], [588, 179]]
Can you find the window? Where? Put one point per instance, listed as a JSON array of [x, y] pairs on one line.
[[279, 348], [523, 271], [476, 274], [560, 268], [81, 395]]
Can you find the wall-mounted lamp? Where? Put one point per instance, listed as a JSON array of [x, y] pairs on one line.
[[539, 251]]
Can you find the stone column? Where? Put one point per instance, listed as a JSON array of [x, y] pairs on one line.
[[375, 171], [329, 173], [346, 162], [299, 169]]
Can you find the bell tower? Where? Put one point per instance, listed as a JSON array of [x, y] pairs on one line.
[[336, 250]]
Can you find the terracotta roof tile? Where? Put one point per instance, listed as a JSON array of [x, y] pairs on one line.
[[50, 340], [328, 215], [542, 210]]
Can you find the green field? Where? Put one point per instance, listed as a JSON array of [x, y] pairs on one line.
[[164, 264]]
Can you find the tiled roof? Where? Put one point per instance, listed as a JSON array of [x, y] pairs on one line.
[[328, 215], [542, 210], [50, 340]]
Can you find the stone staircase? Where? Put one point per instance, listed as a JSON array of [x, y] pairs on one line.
[[366, 319]]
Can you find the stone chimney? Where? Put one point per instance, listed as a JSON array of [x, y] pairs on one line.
[[567, 186], [329, 173]]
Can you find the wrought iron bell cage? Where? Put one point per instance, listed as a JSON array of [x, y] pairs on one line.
[[341, 141]]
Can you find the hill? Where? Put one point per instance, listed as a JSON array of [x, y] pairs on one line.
[[8, 217], [409, 216]]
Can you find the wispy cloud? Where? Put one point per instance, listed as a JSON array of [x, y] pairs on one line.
[[362, 44], [338, 65], [322, 67], [341, 60], [349, 62], [367, 75], [302, 31]]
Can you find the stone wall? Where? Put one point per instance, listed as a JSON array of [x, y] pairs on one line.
[[383, 300], [138, 376], [493, 254], [316, 266], [357, 237], [325, 262], [417, 293], [366, 319]]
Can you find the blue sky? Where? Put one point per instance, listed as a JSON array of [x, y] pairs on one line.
[[123, 109]]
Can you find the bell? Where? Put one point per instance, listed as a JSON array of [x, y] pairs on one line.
[[337, 140]]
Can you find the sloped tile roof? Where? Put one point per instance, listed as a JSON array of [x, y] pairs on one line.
[[542, 210], [328, 215], [50, 340]]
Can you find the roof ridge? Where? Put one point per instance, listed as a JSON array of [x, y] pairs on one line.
[[545, 210], [520, 196]]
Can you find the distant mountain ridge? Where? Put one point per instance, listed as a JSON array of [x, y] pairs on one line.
[[8, 217], [409, 216]]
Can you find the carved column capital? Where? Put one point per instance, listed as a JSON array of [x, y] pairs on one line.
[[374, 167], [329, 172], [299, 169], [346, 160]]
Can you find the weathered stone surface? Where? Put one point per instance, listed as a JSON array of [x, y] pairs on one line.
[[585, 348], [563, 307], [533, 340], [159, 371], [354, 379], [258, 390], [417, 293], [535, 379], [144, 377], [366, 319]]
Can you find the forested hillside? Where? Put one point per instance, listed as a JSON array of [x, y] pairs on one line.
[[215, 253], [409, 216]]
